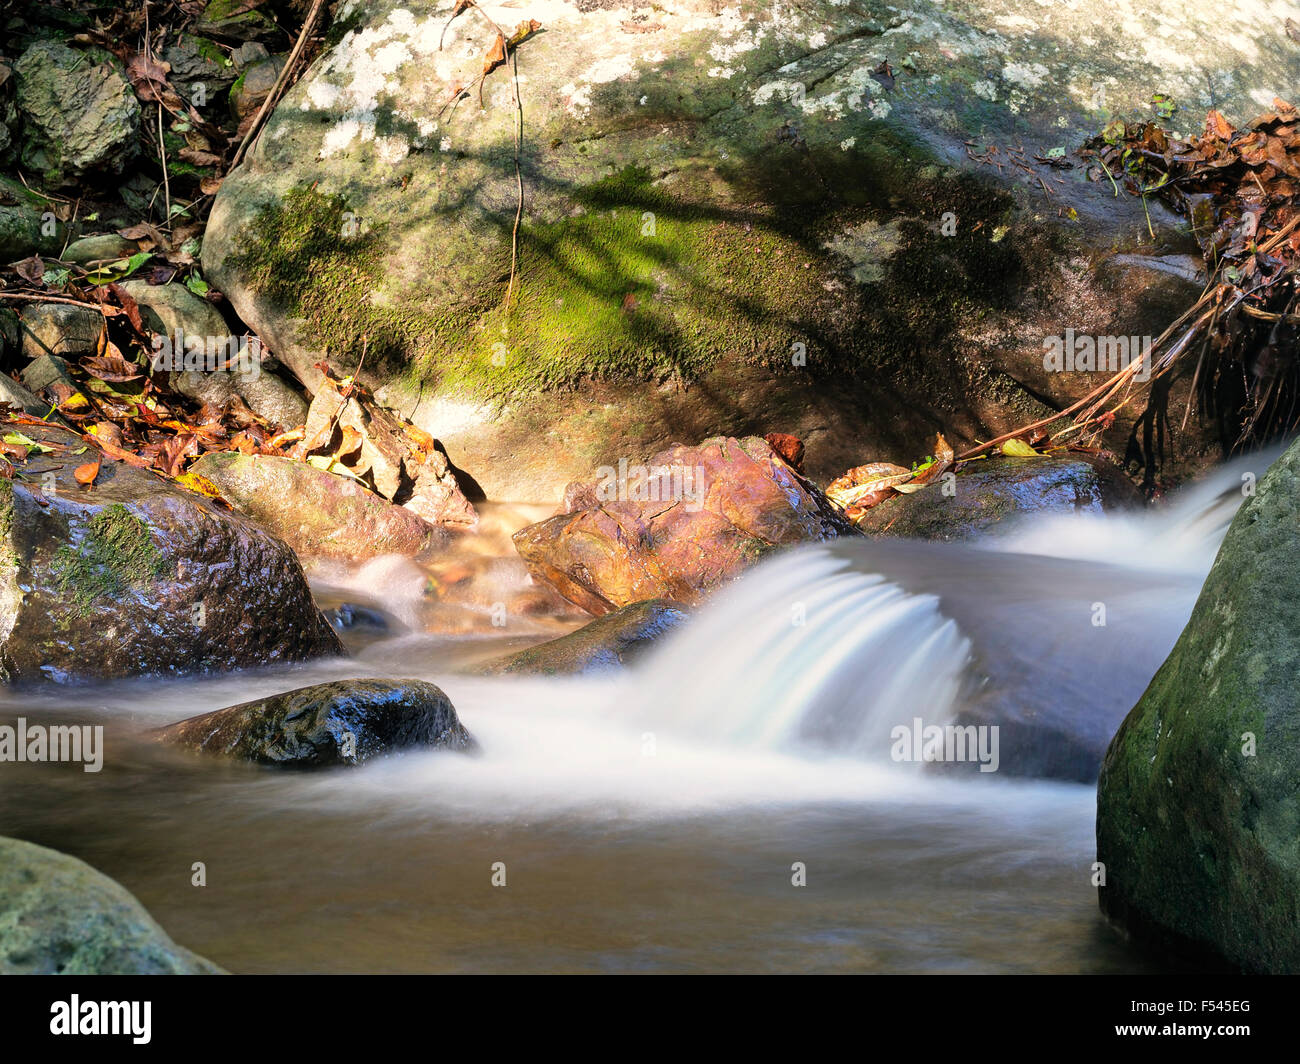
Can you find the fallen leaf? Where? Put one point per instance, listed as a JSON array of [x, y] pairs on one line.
[[85, 474], [1018, 449]]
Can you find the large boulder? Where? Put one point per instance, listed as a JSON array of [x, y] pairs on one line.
[[58, 916], [686, 521], [137, 576], [1198, 804], [80, 114], [606, 644], [992, 496], [750, 198], [319, 514], [345, 722]]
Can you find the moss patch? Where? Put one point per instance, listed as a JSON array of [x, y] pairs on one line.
[[116, 553], [640, 282]]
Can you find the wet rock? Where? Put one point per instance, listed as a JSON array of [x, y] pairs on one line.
[[104, 247], [60, 329], [317, 513], [254, 86], [989, 497], [608, 643], [345, 722], [688, 520], [135, 576], [1199, 795], [349, 615], [58, 916], [80, 114]]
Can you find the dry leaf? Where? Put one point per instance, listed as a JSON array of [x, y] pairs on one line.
[[85, 474]]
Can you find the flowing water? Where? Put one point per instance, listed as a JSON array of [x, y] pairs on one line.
[[656, 821]]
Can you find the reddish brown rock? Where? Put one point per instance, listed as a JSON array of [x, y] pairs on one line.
[[788, 447], [676, 527]]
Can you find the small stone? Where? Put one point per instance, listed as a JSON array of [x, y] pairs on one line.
[[105, 247], [60, 329], [345, 722]]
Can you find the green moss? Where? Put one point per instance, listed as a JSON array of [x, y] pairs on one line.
[[6, 522], [639, 283], [643, 285], [117, 552]]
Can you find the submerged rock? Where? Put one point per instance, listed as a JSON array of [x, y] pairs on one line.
[[58, 916], [344, 722], [605, 644], [137, 576], [1199, 797], [676, 527], [317, 513], [990, 496]]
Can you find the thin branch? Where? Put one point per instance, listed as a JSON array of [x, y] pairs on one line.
[[274, 95]]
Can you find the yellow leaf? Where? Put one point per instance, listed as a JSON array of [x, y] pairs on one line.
[[1019, 449], [199, 485]]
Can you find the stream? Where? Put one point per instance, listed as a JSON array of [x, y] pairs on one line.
[[654, 821]]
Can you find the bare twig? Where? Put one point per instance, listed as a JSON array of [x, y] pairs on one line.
[[274, 95]]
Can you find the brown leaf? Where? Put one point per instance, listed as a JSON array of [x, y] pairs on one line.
[[85, 474], [199, 158], [148, 77], [31, 270], [130, 306], [209, 185], [496, 55], [112, 367]]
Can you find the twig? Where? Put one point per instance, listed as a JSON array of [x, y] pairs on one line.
[[162, 151], [273, 96], [27, 297]]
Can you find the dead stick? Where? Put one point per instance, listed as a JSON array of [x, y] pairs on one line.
[[273, 96]]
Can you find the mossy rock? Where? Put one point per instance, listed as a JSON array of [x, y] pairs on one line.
[[1198, 804], [58, 916], [133, 576], [80, 114], [722, 207]]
